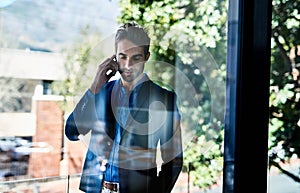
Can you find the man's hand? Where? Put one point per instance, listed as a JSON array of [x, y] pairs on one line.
[[104, 72]]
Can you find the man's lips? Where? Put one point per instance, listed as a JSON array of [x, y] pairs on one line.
[[125, 71]]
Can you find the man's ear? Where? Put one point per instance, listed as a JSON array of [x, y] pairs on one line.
[[147, 56]]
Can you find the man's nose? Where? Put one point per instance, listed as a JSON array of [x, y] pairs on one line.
[[128, 63]]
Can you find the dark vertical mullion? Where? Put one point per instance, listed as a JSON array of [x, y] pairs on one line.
[[247, 97]]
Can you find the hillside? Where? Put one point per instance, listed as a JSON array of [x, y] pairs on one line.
[[49, 25]]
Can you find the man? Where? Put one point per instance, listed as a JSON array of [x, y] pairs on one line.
[[131, 121]]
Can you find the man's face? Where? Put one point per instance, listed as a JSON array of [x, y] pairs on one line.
[[131, 59]]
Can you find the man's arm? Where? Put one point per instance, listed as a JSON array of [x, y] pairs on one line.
[[81, 120], [84, 116]]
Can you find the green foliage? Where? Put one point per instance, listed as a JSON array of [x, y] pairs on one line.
[[284, 126], [204, 156], [285, 36], [173, 24]]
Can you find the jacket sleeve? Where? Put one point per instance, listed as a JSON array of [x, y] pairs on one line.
[[83, 118]]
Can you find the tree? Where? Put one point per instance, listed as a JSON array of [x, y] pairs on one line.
[[15, 95], [284, 140], [80, 64]]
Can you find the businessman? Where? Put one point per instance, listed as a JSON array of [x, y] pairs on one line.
[[132, 120]]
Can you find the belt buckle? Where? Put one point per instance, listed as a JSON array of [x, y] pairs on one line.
[[110, 187]]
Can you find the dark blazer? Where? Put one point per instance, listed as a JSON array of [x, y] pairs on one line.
[[154, 122]]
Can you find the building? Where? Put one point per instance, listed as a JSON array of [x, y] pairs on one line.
[[48, 151]]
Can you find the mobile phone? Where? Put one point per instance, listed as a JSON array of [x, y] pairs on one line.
[[119, 69], [109, 71]]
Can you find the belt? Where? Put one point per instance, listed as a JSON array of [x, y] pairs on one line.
[[112, 186]]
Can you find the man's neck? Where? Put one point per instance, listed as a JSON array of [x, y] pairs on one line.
[[129, 86]]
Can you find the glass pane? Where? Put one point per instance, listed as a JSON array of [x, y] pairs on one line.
[[50, 52]]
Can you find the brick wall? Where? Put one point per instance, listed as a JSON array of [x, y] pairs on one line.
[[45, 161], [59, 156], [73, 157]]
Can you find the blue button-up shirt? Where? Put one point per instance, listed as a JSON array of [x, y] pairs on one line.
[[124, 101]]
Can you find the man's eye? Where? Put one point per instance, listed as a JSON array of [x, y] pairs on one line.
[[136, 58]]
